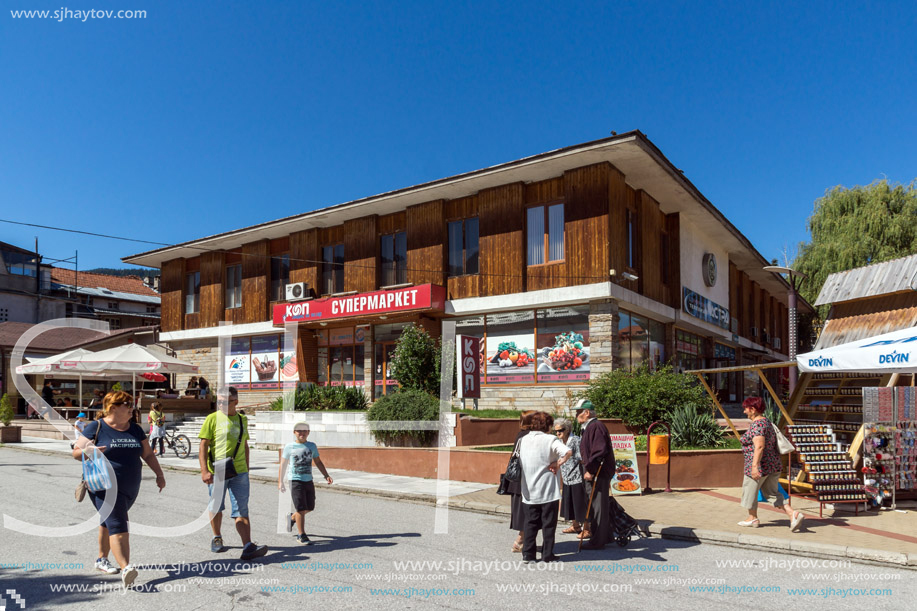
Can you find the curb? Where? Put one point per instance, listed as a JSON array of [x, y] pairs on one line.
[[774, 544], [678, 533]]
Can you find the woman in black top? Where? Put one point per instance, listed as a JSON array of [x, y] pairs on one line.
[[124, 443]]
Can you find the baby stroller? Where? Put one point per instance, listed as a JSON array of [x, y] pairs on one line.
[[624, 526]]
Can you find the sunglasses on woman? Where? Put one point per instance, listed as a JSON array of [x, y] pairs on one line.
[[558, 431]]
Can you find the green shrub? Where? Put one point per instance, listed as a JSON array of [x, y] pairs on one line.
[[6, 410], [416, 361], [116, 387], [693, 428], [325, 398], [405, 405], [642, 396]]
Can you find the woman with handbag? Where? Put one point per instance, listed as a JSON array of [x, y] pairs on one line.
[[762, 466], [573, 497], [516, 517], [124, 443]]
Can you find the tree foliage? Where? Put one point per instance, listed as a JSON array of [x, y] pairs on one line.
[[415, 363], [856, 227], [642, 396], [6, 410]]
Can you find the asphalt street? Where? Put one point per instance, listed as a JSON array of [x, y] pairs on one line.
[[373, 552]]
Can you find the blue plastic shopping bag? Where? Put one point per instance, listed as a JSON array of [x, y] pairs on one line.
[[95, 472]]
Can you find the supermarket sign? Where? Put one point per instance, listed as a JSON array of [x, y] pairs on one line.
[[423, 297], [700, 307]]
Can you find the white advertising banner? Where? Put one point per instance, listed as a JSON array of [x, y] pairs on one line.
[[891, 352]]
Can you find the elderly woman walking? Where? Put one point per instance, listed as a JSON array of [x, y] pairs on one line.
[[762, 466], [573, 498], [541, 456], [124, 444]]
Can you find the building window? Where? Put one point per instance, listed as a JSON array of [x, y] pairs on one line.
[[689, 350], [5, 313], [113, 305], [463, 247], [341, 356], [639, 341], [545, 234], [20, 264], [631, 228], [234, 286], [193, 293], [332, 269], [394, 258], [114, 324], [151, 309], [280, 276]]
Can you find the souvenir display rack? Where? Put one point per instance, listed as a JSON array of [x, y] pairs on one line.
[[829, 469], [835, 400], [890, 443]]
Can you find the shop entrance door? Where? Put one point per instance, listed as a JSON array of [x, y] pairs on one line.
[[383, 380]]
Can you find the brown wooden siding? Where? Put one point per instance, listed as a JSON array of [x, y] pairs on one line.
[[620, 198], [502, 239], [673, 234], [192, 265], [544, 191], [331, 235], [426, 243], [585, 230], [212, 281], [305, 257], [307, 355], [361, 248], [461, 208], [735, 299], [746, 322], [393, 223], [649, 238], [256, 270], [280, 246], [172, 298]]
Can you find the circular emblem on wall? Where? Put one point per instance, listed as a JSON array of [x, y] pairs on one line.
[[709, 269]]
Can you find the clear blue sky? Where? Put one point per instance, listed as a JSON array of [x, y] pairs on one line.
[[206, 117]]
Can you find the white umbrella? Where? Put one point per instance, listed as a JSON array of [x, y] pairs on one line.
[[887, 353], [130, 358], [51, 363]]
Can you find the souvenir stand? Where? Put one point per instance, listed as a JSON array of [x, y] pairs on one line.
[[862, 380]]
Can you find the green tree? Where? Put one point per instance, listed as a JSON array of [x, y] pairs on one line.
[[416, 362], [642, 396], [6, 410], [856, 227]]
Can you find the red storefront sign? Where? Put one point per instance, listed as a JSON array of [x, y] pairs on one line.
[[423, 297], [468, 363]]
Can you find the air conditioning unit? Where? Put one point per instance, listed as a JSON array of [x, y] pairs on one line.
[[734, 325], [754, 331], [296, 290], [777, 342], [765, 338]]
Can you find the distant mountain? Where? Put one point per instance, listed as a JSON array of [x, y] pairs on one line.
[[143, 272]]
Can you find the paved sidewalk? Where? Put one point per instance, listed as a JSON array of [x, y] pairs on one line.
[[708, 515]]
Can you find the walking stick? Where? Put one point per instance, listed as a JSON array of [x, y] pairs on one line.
[[589, 506]]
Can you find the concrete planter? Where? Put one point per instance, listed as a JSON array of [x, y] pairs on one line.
[[690, 468], [10, 434], [329, 429], [473, 431]]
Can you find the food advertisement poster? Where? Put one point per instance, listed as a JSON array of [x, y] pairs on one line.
[[237, 372], [289, 372], [265, 349], [563, 345], [627, 471], [511, 348]]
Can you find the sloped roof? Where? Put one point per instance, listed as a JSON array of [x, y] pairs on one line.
[[122, 284], [60, 339], [873, 280]]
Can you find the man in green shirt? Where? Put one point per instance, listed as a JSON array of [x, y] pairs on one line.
[[225, 435]]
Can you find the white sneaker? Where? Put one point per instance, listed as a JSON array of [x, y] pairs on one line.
[[750, 523], [102, 564], [128, 575], [796, 522]]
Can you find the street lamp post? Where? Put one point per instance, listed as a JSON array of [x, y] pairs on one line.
[[791, 274]]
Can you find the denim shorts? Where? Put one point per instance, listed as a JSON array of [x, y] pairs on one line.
[[238, 496]]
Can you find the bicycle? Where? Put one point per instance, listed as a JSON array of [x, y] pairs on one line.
[[178, 442]]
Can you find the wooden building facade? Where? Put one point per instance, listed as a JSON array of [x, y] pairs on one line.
[[604, 249]]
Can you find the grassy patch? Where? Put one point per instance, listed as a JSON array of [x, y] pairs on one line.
[[489, 413], [496, 448]]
